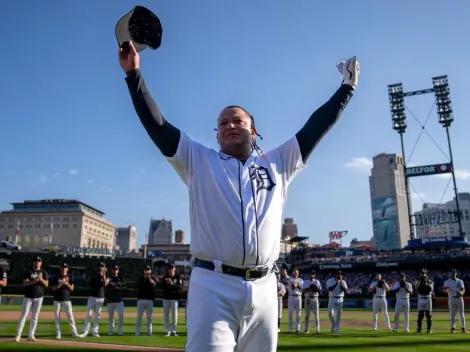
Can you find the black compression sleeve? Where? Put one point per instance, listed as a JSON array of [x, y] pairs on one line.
[[165, 136], [322, 120]]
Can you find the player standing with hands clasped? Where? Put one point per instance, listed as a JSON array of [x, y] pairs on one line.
[[236, 204], [312, 289], [281, 292], [114, 300], [145, 298], [337, 288], [425, 289], [294, 303], [379, 289], [34, 281], [455, 289], [172, 284], [62, 286], [95, 302], [403, 290]]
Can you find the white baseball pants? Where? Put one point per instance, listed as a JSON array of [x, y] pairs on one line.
[[67, 306], [380, 304], [402, 305], [94, 305], [335, 308], [147, 306], [225, 313], [170, 307], [119, 308], [294, 304], [456, 305], [312, 306], [33, 304], [279, 307]]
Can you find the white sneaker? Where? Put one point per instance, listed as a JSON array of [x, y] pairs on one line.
[[31, 338], [17, 338], [350, 70], [168, 334], [58, 336], [95, 334]]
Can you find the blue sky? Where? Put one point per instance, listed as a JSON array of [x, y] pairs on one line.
[[69, 129]]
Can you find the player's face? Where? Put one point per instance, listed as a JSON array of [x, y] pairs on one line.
[[64, 271], [378, 277], [172, 271], [37, 265], [115, 272], [234, 131], [296, 274]]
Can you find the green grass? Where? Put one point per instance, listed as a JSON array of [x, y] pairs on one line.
[[358, 338]]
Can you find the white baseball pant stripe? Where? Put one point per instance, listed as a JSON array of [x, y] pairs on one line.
[[33, 304], [147, 306], [294, 305], [312, 306], [242, 315], [119, 308], [380, 304], [456, 305], [170, 307], [94, 305], [335, 308], [402, 305], [279, 307], [67, 307]]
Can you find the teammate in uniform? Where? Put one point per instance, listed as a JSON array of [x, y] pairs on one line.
[[379, 289], [114, 300], [281, 292], [172, 284], [236, 204], [425, 289], [34, 281], [455, 289], [95, 302], [294, 303], [145, 298], [403, 290], [3, 278], [337, 288], [62, 285], [312, 288]]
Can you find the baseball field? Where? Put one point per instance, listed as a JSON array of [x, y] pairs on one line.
[[356, 334]]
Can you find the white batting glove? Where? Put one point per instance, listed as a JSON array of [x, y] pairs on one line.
[[350, 71]]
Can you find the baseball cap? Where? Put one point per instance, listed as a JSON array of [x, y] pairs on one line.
[[142, 27], [115, 267], [313, 272], [147, 267], [171, 266], [101, 265], [37, 259], [64, 265]]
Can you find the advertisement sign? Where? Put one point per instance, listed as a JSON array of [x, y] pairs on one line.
[[385, 220], [335, 266], [445, 241], [428, 170]]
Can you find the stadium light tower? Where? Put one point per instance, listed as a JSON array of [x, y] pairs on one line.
[[446, 117], [397, 108]]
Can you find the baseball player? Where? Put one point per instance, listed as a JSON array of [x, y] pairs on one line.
[[236, 204], [379, 289], [425, 289], [34, 281], [95, 302], [3, 278], [403, 290], [172, 284], [114, 300], [455, 289], [337, 288], [62, 286], [312, 289], [281, 292], [294, 303], [145, 298]]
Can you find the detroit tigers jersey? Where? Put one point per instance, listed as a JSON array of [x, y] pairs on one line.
[[338, 291], [379, 291], [236, 208], [402, 293], [454, 286], [308, 283], [297, 291]]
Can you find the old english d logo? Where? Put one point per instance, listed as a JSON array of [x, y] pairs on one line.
[[261, 177]]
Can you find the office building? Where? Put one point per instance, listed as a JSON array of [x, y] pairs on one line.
[[65, 222], [126, 238], [179, 237], [160, 232], [390, 217], [289, 229]]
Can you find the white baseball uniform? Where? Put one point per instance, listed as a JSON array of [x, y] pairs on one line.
[[312, 305], [456, 302], [379, 302], [402, 304], [294, 303], [335, 302], [281, 291]]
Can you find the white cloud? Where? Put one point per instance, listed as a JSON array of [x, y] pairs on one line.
[[73, 171], [360, 164], [459, 174], [91, 181]]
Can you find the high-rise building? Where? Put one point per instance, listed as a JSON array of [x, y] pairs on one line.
[[390, 217], [126, 238], [179, 236], [289, 229], [65, 222], [437, 220], [160, 232]]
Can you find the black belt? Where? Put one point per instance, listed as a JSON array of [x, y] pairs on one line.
[[296, 295], [380, 296], [247, 274]]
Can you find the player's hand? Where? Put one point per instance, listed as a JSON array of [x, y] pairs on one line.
[[350, 71], [169, 281], [129, 60]]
